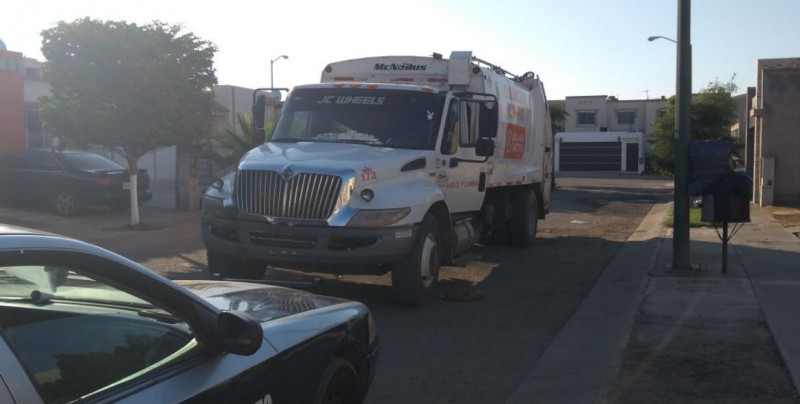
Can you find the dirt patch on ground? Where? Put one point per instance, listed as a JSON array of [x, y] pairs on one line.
[[787, 216], [702, 346], [689, 369]]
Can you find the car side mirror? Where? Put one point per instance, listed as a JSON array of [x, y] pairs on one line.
[[239, 334], [484, 147]]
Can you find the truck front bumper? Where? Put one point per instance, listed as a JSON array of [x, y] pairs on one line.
[[317, 248]]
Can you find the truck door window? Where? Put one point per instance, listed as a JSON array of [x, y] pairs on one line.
[[487, 122], [452, 129], [469, 135]]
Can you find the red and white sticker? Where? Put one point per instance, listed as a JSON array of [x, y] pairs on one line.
[[515, 141], [368, 174]]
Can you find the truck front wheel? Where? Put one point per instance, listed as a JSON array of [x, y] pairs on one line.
[[525, 221], [221, 266], [414, 278]]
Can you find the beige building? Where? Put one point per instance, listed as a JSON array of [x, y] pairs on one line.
[[603, 133], [601, 113], [775, 117]]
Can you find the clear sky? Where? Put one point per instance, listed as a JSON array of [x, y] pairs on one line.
[[578, 47]]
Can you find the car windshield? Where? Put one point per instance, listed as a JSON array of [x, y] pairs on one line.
[[392, 118], [91, 162], [41, 284]]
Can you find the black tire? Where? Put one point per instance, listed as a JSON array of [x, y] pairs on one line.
[[339, 384], [501, 235], [66, 203], [221, 266], [525, 219], [414, 278]]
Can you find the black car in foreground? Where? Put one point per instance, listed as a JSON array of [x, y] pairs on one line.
[[68, 181], [79, 323]]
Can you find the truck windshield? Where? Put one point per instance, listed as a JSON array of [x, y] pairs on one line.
[[385, 118]]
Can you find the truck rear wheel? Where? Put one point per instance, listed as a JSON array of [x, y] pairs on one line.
[[525, 221], [221, 266], [414, 278]]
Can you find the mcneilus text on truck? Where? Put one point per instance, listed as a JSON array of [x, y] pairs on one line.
[[391, 163]]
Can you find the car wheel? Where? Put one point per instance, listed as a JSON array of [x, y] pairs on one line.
[[339, 384], [525, 219], [67, 203], [221, 266], [414, 277]]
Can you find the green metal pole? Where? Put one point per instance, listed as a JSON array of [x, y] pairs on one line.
[[680, 236]]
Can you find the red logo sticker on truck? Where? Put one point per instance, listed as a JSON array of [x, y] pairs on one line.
[[368, 174], [515, 141]]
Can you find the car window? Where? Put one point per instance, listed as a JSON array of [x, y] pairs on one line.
[[91, 162], [75, 335], [42, 160]]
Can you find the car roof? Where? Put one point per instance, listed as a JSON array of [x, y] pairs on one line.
[[6, 229], [18, 237]]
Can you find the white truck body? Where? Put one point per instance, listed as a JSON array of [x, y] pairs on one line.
[[389, 164]]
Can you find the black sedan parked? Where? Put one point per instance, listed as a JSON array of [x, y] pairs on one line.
[[79, 323], [68, 181]]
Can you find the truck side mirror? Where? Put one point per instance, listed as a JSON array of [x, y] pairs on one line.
[[259, 112], [484, 147]]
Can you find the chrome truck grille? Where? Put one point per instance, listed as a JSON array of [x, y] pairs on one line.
[[303, 196]]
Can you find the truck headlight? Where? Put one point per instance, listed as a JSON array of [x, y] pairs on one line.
[[218, 198], [378, 217]]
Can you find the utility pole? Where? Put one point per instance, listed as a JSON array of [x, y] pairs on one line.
[[680, 235]]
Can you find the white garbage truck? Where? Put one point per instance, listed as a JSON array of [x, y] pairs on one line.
[[391, 164]]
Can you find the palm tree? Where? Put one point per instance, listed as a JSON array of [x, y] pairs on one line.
[[227, 146]]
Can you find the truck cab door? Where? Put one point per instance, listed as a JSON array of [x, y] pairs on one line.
[[463, 182]]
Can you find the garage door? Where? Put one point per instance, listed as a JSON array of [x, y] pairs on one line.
[[590, 156]]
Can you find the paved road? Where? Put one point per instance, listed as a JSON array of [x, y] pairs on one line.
[[479, 351], [459, 351]]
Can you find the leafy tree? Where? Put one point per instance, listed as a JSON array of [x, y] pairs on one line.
[[128, 88], [713, 111]]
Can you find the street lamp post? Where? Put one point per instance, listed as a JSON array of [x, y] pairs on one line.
[[683, 95], [680, 236], [271, 62], [653, 38]]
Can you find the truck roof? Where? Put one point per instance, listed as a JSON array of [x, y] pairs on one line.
[[420, 70], [383, 86], [431, 71]]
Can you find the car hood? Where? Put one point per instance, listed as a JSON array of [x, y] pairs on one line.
[[259, 301]]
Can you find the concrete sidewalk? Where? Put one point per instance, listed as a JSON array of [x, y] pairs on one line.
[[646, 333]]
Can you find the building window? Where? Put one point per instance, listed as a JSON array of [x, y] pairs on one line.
[[587, 118], [626, 117], [661, 112]]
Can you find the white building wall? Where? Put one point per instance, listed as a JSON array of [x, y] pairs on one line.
[[238, 100], [34, 89]]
